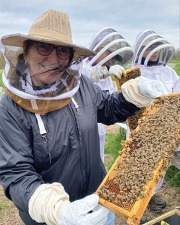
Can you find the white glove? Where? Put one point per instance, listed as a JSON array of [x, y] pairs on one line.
[[83, 212], [117, 71], [50, 204], [151, 88], [98, 72], [141, 91]]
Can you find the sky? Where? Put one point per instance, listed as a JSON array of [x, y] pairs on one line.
[[128, 17]]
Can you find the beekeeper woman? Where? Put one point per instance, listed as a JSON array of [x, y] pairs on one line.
[[112, 53], [50, 162]]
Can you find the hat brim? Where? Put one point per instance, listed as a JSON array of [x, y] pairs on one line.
[[18, 41]]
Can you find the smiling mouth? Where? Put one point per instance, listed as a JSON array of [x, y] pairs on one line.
[[54, 71], [57, 69], [49, 68]]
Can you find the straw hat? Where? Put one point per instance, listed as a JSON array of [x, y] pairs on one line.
[[51, 27]]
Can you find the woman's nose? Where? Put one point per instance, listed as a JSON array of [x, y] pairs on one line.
[[109, 62], [53, 56]]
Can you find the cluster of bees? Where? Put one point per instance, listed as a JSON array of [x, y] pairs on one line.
[[133, 120], [156, 137], [131, 73]]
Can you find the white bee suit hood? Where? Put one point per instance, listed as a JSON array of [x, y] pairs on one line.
[[109, 39], [152, 42], [18, 84], [18, 79]]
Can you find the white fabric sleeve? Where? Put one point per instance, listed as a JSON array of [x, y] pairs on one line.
[[176, 87], [46, 202]]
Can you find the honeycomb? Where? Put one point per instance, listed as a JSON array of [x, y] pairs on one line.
[[132, 121], [131, 181], [131, 73]]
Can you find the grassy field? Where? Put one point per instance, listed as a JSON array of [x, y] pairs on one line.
[[113, 146], [175, 64]]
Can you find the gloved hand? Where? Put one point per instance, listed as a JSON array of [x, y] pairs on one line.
[[101, 72], [117, 71], [83, 212], [141, 91], [98, 72], [50, 204], [151, 88]]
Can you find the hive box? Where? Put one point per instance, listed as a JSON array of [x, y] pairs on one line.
[[171, 218]]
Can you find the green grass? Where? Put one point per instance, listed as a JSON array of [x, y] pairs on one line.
[[3, 206], [175, 64], [173, 176], [113, 146]]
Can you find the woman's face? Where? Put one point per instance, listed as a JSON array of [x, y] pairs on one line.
[[108, 63], [154, 57], [41, 66]]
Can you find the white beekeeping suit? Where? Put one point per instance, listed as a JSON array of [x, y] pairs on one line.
[[151, 54], [176, 87], [149, 43], [113, 52]]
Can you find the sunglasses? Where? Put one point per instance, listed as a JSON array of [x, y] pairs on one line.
[[46, 49]]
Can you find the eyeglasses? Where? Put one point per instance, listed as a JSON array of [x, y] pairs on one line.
[[46, 49]]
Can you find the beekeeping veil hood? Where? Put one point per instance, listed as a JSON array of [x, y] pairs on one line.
[[152, 42], [51, 27], [109, 39]]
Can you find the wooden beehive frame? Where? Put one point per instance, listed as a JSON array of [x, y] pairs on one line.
[[134, 210], [131, 73]]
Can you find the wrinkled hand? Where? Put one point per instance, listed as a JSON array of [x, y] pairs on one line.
[[117, 71], [77, 212], [151, 88]]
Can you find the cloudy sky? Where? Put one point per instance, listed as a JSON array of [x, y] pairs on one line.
[[128, 17]]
